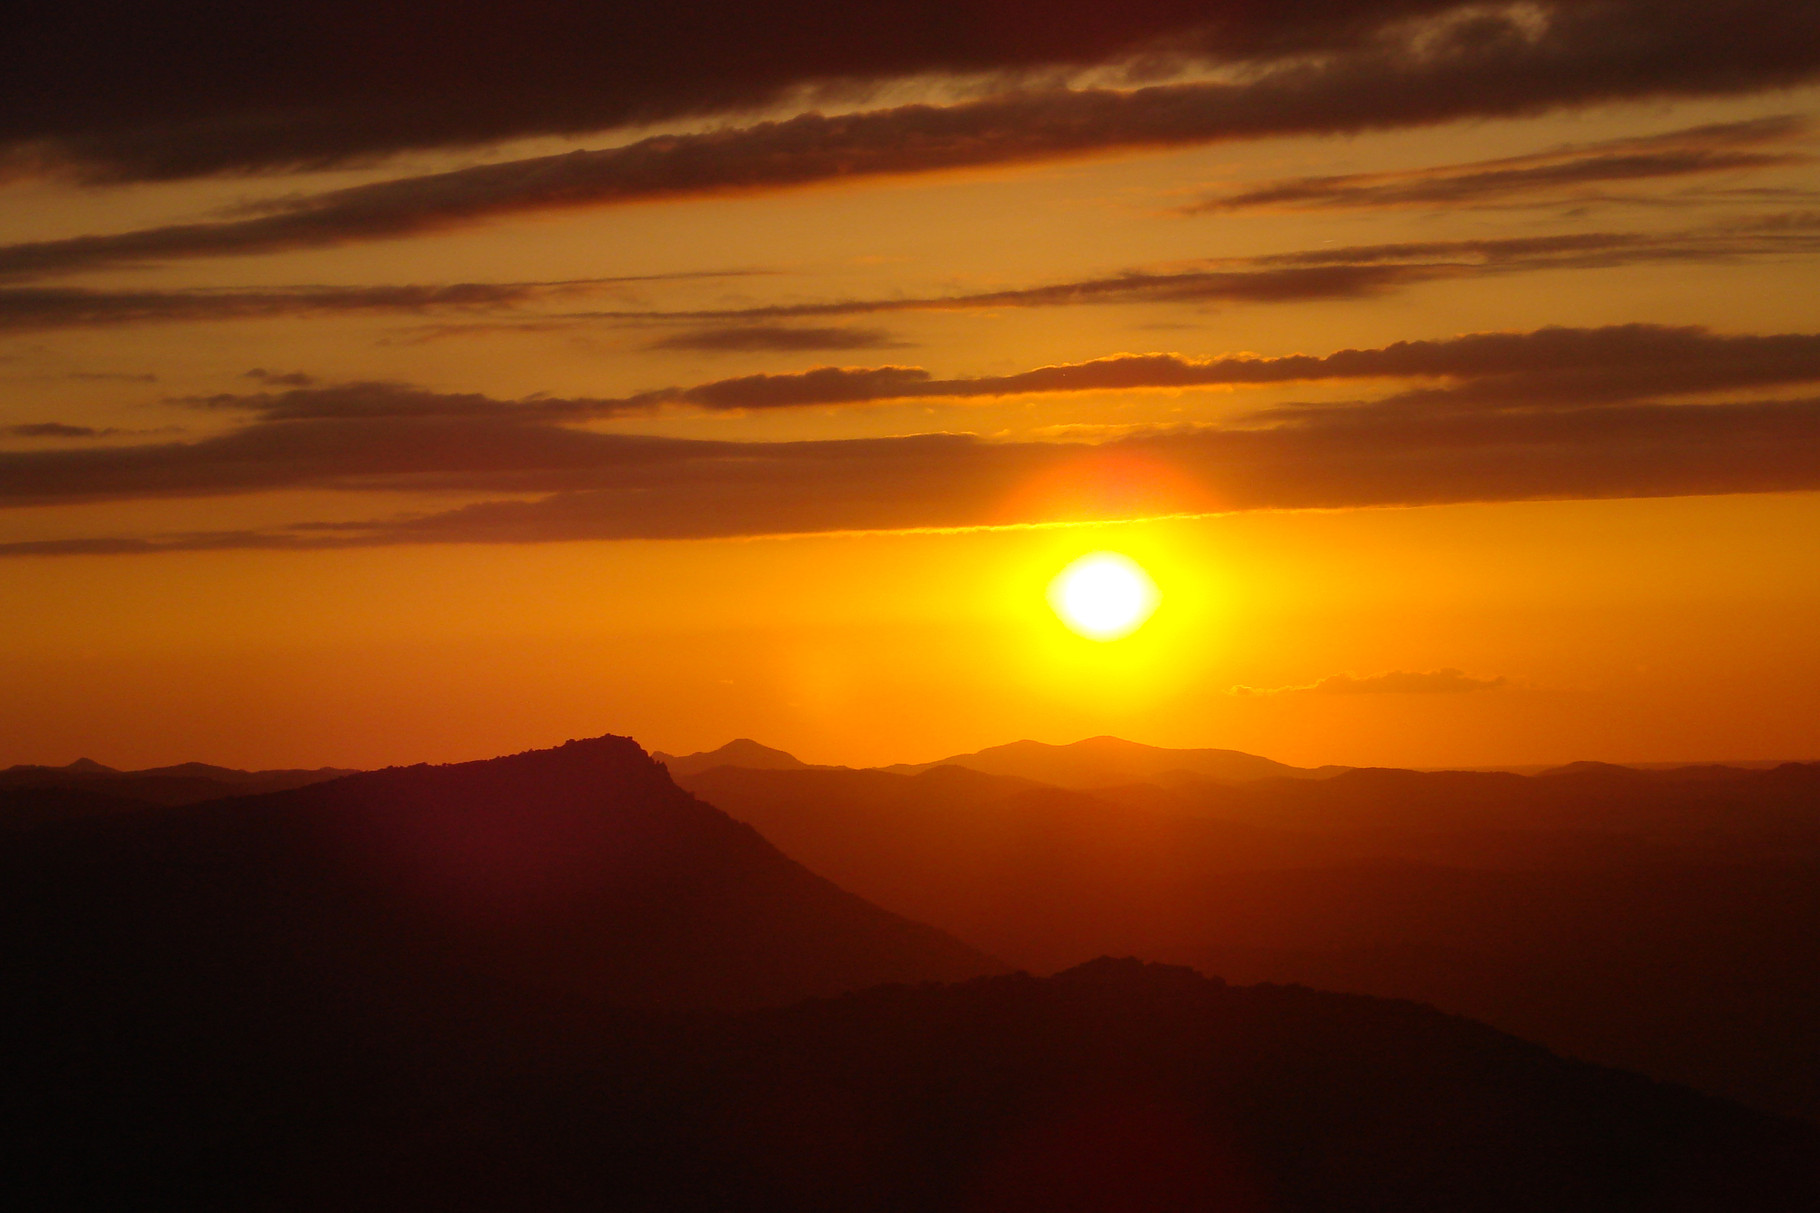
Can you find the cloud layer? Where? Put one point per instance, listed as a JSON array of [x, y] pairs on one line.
[[125, 90], [118, 90], [1551, 414], [1371, 74], [1358, 271], [26, 309], [1550, 368], [741, 338]]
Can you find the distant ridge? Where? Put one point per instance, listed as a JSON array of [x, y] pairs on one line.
[[184, 783], [1099, 762], [1106, 761], [740, 752]]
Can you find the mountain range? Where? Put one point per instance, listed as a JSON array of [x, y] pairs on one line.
[[1667, 921], [33, 794], [560, 980]]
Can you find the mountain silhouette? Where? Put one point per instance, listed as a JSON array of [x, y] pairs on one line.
[[1113, 1086], [185, 783], [557, 980], [425, 900], [241, 944], [1664, 921], [741, 752], [1105, 761]]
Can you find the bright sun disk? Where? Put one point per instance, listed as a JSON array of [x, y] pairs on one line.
[[1104, 596]]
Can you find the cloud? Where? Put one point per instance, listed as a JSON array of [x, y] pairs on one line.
[[541, 478], [827, 385], [1553, 368], [1561, 368], [25, 309], [56, 429], [1393, 682], [1697, 151], [1356, 271], [1478, 61], [1557, 382], [119, 90], [591, 486], [748, 337], [276, 379]]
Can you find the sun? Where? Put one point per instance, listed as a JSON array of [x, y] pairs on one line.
[[1104, 596]]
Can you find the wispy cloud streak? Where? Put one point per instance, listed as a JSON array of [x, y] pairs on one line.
[[1695, 152], [1357, 271], [26, 309]]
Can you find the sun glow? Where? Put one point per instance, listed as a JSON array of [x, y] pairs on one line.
[[1104, 596]]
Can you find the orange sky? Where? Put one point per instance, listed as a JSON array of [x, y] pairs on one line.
[[1517, 390]]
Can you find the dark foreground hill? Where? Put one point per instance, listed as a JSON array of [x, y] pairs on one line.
[[1113, 1087], [551, 883], [1663, 921]]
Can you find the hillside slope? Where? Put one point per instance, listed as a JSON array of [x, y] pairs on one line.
[[568, 878], [1666, 922]]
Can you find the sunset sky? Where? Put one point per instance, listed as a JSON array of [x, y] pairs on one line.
[[405, 381]]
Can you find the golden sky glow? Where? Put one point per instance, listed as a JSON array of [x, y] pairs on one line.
[[1519, 400]]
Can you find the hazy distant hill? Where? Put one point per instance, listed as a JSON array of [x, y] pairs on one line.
[[742, 752], [1667, 921], [1115, 1086], [186, 783], [1104, 761]]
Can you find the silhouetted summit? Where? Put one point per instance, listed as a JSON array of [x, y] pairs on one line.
[[740, 752]]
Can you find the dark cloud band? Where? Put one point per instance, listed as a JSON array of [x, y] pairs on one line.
[[1554, 413], [605, 488], [119, 89], [1483, 61], [1550, 368]]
